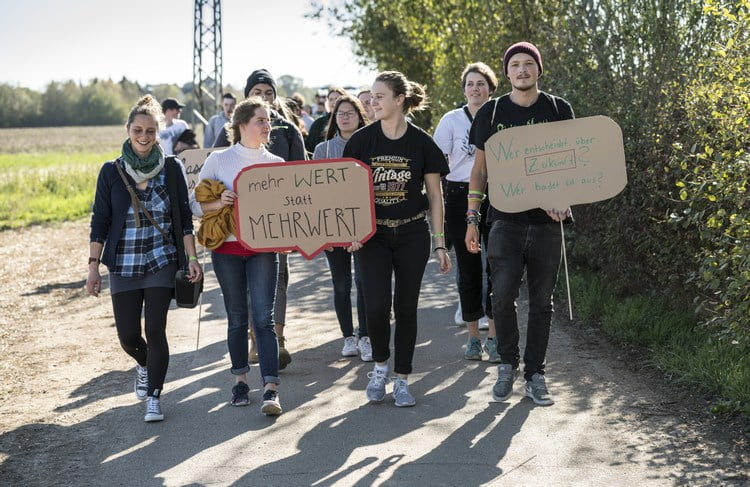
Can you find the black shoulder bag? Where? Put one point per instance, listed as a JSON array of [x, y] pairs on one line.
[[186, 293]]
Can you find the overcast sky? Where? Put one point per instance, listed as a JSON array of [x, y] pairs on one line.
[[151, 41]]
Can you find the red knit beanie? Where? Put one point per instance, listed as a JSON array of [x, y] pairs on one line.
[[527, 48]]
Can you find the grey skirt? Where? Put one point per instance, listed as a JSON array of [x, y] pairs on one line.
[[164, 277]]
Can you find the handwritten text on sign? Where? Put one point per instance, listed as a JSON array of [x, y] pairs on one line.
[[193, 160], [556, 164], [304, 205]]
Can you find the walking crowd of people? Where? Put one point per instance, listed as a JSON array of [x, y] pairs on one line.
[[430, 200]]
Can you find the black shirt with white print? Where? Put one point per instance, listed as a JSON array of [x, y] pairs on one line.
[[398, 167], [547, 108]]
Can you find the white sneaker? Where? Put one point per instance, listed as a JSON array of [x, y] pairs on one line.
[[459, 317], [365, 349], [484, 323], [141, 382], [350, 347], [153, 410]]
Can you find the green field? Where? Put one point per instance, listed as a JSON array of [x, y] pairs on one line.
[[49, 174]]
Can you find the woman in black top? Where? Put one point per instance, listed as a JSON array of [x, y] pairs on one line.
[[404, 161]]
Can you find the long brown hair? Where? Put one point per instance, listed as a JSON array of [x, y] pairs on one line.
[[243, 112], [333, 126]]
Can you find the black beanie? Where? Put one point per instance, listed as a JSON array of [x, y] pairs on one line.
[[525, 47], [260, 76]]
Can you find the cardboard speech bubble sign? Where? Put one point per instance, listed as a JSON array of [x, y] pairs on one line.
[[304, 205], [193, 160], [555, 164]]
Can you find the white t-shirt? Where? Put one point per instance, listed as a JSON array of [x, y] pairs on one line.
[[452, 136], [224, 165], [168, 136]]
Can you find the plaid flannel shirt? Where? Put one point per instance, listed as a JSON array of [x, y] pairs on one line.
[[144, 249]]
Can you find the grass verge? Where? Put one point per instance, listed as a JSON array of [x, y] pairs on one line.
[[693, 355]]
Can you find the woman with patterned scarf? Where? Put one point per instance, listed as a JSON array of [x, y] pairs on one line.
[[133, 234]]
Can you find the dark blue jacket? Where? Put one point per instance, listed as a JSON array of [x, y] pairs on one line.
[[112, 201]]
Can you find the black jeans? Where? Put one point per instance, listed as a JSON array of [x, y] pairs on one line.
[[469, 278], [401, 252], [340, 263], [153, 352], [514, 246]]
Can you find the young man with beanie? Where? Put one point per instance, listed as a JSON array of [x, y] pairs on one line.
[[530, 240], [286, 142]]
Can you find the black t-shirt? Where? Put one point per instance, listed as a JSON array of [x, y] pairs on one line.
[[547, 108], [398, 167]]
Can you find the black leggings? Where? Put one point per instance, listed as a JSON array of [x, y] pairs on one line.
[[153, 352], [402, 253]]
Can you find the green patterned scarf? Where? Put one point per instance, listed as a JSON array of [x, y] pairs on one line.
[[142, 169]]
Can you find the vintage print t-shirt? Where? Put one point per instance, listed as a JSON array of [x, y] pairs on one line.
[[398, 168]]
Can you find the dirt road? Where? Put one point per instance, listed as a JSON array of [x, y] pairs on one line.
[[68, 415]]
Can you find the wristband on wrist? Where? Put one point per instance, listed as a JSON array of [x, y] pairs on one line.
[[439, 248], [94, 260], [438, 235], [192, 258], [472, 220]]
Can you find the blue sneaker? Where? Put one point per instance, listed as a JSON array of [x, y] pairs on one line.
[[401, 396], [376, 386], [240, 395], [503, 388], [490, 346], [473, 349], [536, 389]]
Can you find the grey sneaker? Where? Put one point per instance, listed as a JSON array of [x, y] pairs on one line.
[[141, 382], [153, 410], [473, 349], [376, 386], [401, 396], [490, 346], [536, 389], [503, 388]]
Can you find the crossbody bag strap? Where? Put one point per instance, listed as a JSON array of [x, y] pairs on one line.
[[172, 171], [138, 205]]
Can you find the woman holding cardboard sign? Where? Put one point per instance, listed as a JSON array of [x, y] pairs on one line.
[[138, 216], [347, 116], [452, 135], [404, 160], [241, 272]]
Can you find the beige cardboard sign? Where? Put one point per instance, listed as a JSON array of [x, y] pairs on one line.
[[304, 205], [193, 160], [556, 164]]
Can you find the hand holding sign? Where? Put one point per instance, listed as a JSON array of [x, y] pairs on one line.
[[304, 205], [556, 164]]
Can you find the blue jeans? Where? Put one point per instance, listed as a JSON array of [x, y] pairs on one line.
[[512, 247], [340, 263], [252, 277]]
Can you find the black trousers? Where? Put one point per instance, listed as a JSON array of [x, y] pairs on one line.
[[402, 253], [471, 276], [153, 352]]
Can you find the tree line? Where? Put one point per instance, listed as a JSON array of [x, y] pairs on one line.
[[103, 101]]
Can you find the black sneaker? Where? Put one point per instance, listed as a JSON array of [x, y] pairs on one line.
[[240, 395], [271, 405]]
